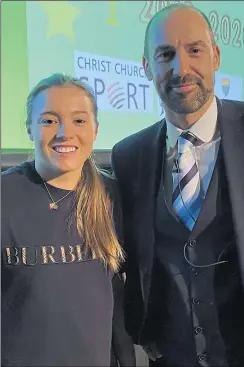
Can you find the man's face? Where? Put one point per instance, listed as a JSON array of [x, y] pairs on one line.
[[182, 60]]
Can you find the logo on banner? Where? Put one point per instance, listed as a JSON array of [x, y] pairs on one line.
[[119, 85], [225, 83], [228, 86], [116, 95]]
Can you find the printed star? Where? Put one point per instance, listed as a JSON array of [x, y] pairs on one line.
[[61, 16], [112, 19]]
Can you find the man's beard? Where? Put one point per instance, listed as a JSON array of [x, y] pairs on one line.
[[184, 103]]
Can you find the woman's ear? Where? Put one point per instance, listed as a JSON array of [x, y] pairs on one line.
[[30, 134], [96, 131]]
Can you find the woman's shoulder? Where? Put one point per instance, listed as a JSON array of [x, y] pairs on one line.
[[13, 178], [19, 170]]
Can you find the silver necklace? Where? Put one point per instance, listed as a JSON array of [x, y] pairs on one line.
[[54, 205]]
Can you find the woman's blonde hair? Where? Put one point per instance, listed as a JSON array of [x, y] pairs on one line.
[[93, 207]]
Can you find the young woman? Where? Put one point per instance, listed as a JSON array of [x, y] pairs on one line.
[[60, 222]]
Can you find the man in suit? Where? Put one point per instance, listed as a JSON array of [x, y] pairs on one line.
[[182, 186]]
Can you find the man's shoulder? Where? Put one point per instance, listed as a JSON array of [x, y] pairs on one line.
[[110, 183], [137, 140], [230, 104]]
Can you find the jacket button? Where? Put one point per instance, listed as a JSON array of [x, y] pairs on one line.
[[192, 243], [202, 357], [198, 330], [195, 301]]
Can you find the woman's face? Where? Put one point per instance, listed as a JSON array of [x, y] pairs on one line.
[[63, 128]]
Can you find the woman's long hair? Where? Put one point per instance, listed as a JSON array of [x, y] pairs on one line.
[[93, 207]]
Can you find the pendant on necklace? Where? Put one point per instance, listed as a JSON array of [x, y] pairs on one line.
[[53, 206]]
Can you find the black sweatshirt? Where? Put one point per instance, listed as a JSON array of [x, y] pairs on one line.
[[57, 302]]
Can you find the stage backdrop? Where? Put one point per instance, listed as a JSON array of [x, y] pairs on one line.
[[102, 43]]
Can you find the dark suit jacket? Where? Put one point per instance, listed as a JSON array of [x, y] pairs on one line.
[[136, 162], [122, 347], [122, 350]]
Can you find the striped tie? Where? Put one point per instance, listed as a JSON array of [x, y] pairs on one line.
[[186, 197]]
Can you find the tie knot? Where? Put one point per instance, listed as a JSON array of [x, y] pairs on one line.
[[187, 138], [186, 141], [190, 138]]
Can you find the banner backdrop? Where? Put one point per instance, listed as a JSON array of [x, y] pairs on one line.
[[101, 42]]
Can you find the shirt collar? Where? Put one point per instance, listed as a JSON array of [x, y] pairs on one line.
[[203, 129]]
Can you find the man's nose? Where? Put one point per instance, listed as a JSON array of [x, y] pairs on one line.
[[180, 64]]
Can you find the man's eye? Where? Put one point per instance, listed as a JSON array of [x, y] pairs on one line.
[[166, 55], [195, 50]]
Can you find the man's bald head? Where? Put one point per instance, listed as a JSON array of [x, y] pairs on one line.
[[163, 13], [181, 58]]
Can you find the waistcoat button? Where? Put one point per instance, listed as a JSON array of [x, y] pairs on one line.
[[202, 357], [198, 330], [192, 243]]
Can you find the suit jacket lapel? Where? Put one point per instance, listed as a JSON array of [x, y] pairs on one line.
[[232, 132], [149, 170]]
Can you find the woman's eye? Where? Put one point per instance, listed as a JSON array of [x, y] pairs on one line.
[[48, 122], [80, 121]]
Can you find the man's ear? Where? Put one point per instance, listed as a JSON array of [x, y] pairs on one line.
[[147, 68], [216, 58], [30, 134]]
